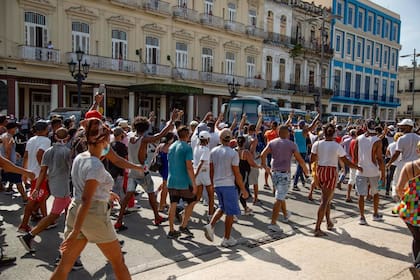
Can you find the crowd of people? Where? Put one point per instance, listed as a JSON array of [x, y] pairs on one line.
[[92, 167]]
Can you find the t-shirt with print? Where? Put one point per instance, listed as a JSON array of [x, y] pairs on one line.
[[328, 152], [58, 160], [201, 153], [35, 144], [178, 154], [87, 167], [281, 151], [407, 144], [223, 158]]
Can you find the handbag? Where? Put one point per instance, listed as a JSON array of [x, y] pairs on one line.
[[156, 164]]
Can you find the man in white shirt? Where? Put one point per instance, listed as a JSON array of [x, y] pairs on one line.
[[368, 154], [34, 151]]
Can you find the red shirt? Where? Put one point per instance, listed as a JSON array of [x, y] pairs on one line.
[[271, 135], [351, 149]]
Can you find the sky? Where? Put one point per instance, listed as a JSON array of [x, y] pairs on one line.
[[409, 11]]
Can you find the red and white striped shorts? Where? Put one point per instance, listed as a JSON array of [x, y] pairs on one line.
[[327, 176]]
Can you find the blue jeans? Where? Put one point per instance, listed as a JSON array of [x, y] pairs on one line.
[[299, 172]]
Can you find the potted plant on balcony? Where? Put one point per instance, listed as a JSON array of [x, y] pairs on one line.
[[296, 51]]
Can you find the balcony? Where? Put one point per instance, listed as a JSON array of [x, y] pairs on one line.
[[211, 21], [254, 31], [255, 83], [39, 54], [234, 26], [157, 6], [220, 78], [107, 63], [185, 74], [185, 14], [156, 70], [276, 38]]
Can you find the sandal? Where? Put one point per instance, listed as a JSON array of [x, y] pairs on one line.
[[320, 233]]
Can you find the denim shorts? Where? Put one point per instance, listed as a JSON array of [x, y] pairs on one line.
[[281, 181], [228, 200], [146, 182]]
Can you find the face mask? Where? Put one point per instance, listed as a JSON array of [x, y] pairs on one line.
[[105, 150]]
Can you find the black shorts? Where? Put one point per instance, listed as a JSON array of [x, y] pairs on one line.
[[186, 195], [12, 178]]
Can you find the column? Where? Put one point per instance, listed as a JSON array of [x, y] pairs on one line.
[[190, 112], [215, 106], [54, 96], [131, 105], [64, 96], [16, 100], [163, 102], [26, 101], [60, 93]]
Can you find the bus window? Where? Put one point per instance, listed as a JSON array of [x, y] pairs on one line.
[[250, 109]]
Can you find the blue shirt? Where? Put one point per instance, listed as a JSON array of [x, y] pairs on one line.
[[178, 154], [300, 141]]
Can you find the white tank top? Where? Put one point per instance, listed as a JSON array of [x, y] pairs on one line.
[[365, 145], [133, 151]]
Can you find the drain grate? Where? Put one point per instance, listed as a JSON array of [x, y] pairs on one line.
[[269, 238]]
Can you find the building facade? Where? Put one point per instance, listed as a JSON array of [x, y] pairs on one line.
[[295, 63], [364, 70], [152, 55], [408, 93]]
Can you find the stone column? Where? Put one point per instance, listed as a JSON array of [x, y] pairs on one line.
[[64, 96], [54, 96], [163, 108], [131, 106], [16, 100], [215, 106]]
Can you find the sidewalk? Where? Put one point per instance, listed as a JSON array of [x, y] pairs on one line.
[[377, 251]]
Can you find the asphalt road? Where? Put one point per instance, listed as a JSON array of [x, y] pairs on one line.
[[147, 247]]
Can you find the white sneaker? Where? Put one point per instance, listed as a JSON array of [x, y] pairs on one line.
[[229, 242], [362, 221], [285, 219], [209, 232], [249, 212], [274, 228], [235, 218], [378, 218]]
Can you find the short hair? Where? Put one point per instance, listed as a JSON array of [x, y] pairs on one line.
[[183, 131], [284, 127], [61, 133], [141, 124]]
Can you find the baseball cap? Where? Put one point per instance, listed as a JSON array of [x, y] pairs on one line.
[[222, 125], [193, 123], [226, 134], [93, 114], [371, 125], [406, 122], [40, 125], [204, 135], [391, 128]]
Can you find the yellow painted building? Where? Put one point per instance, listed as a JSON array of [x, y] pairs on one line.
[[152, 55], [408, 92]]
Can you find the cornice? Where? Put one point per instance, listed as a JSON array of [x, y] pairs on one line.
[[121, 21], [42, 6], [82, 12]]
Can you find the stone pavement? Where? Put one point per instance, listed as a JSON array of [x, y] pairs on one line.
[[381, 250]]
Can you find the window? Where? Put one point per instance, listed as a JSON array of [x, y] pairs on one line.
[[339, 8], [230, 63], [348, 84], [349, 46], [386, 29], [385, 56], [377, 55], [359, 49], [384, 87], [208, 7], [250, 67], [368, 50], [375, 88], [358, 85], [282, 70], [394, 32], [80, 37], [361, 19], [182, 3], [283, 25], [119, 44], [350, 16], [367, 87], [252, 16], [370, 23], [392, 88], [231, 12], [207, 60], [378, 30], [152, 50], [181, 55], [337, 81], [338, 43], [393, 59], [36, 32]]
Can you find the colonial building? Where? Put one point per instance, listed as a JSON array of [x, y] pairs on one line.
[[408, 93], [296, 54], [364, 70], [152, 55]]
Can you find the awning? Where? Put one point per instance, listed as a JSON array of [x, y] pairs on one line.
[[165, 89]]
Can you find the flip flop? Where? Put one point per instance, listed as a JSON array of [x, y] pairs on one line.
[[320, 233]]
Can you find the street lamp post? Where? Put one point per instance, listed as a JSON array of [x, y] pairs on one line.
[[233, 88], [414, 80], [81, 74]]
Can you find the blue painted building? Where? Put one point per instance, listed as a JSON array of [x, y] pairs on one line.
[[364, 69]]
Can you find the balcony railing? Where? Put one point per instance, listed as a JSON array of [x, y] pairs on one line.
[[157, 6], [185, 74], [40, 54], [234, 26], [220, 78], [211, 20], [107, 63], [132, 3], [156, 70], [254, 31], [276, 38], [255, 83], [366, 97], [187, 14]]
